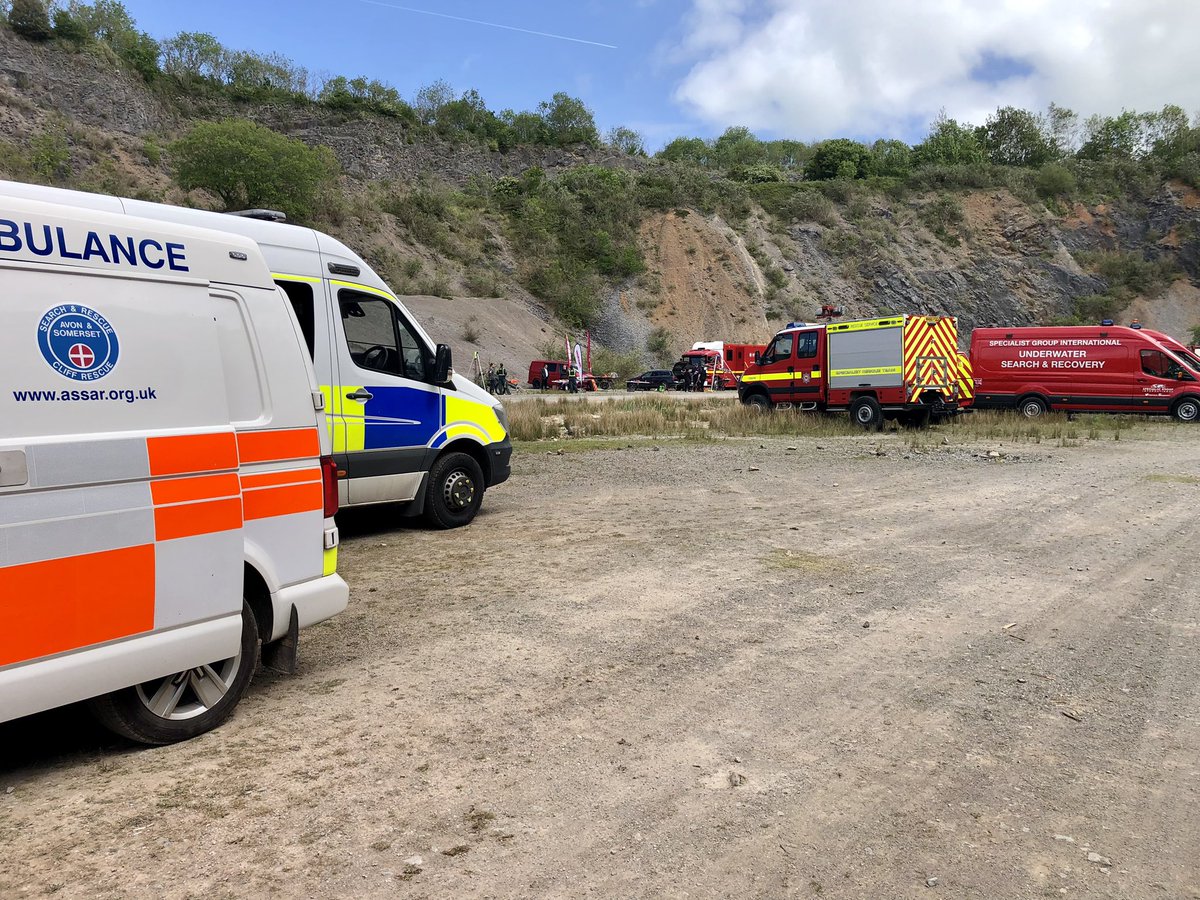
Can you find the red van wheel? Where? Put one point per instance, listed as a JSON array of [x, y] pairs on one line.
[[1032, 407], [1187, 410]]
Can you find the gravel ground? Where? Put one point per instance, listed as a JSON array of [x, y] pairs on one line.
[[720, 669]]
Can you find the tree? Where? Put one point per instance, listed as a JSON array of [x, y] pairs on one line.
[[1113, 136], [524, 127], [194, 55], [626, 140], [247, 165], [1016, 137], [838, 158], [949, 143], [737, 145], [30, 19], [568, 121], [891, 159], [684, 149], [68, 28], [430, 99]]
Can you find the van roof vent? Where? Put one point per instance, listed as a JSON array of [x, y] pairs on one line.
[[267, 215]]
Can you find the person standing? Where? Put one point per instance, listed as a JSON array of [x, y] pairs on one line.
[[545, 378], [572, 382], [502, 380]]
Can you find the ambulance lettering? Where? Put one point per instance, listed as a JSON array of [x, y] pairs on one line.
[[78, 342], [114, 249]]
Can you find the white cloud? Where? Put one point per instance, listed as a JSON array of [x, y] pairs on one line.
[[822, 68]]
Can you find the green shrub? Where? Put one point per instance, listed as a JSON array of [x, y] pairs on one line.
[[30, 19], [49, 156], [812, 206], [69, 28], [1054, 180], [659, 344], [248, 165]]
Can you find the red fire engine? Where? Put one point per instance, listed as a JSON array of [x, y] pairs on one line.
[[897, 367], [723, 363]]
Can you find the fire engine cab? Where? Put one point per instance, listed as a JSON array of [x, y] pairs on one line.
[[906, 368]]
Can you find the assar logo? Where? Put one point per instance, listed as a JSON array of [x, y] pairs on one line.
[[78, 342]]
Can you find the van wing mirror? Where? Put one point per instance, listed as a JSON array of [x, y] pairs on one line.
[[757, 358], [442, 361]]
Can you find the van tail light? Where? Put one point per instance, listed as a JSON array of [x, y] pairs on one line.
[[329, 483]]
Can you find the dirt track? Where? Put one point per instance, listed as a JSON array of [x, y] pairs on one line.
[[649, 673]]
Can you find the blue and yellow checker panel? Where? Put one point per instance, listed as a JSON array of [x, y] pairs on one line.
[[399, 417]]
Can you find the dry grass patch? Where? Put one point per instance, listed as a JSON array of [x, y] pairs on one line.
[[799, 560]]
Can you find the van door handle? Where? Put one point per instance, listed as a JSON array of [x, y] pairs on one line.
[[360, 395]]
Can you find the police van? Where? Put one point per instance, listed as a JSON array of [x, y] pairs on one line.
[[404, 426], [167, 491]]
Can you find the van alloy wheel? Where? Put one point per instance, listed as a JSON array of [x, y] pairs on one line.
[[185, 695], [188, 703]]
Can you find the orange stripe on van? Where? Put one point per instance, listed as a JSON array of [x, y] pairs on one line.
[[267, 479], [268, 446], [283, 501], [186, 453], [203, 487], [64, 604], [191, 519]]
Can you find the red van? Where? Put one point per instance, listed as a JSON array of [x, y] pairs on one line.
[[1094, 368]]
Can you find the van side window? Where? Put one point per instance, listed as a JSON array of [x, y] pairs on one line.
[[301, 297], [806, 345], [378, 338], [1159, 365], [243, 387]]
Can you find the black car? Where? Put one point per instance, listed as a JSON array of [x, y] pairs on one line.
[[654, 380]]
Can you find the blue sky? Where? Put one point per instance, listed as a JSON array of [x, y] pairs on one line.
[[627, 86], [805, 69]]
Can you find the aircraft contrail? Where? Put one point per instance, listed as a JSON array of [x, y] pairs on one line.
[[426, 12]]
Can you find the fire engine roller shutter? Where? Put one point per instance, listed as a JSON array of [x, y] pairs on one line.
[[871, 356]]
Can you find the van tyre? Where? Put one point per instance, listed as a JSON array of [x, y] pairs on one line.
[[867, 414], [1032, 407], [758, 403], [454, 492], [186, 704], [1187, 410]]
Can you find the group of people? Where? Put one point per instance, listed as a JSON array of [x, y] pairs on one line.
[[496, 379], [572, 380], [695, 378]]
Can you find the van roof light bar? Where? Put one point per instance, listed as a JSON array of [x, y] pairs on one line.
[[266, 215]]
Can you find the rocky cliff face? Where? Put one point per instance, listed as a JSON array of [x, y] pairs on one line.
[[987, 258]]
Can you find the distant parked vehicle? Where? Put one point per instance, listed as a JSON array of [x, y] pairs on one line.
[[654, 380]]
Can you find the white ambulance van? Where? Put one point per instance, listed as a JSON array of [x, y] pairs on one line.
[[166, 491], [404, 427]]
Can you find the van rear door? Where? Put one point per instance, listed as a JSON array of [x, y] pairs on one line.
[[127, 520]]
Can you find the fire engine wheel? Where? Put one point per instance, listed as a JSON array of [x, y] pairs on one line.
[[759, 403], [1032, 407], [454, 492], [186, 704], [1187, 410], [867, 414]]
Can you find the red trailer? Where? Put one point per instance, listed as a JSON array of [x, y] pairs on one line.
[[1096, 368]]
